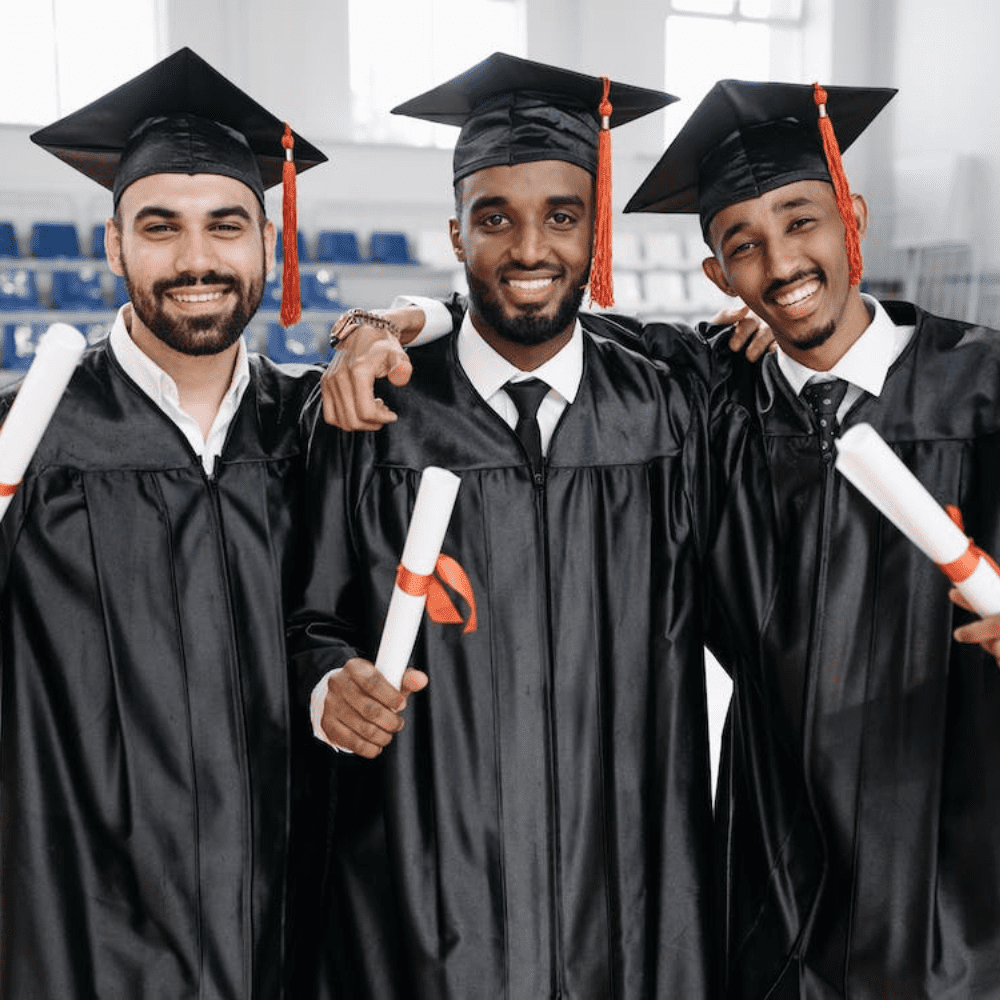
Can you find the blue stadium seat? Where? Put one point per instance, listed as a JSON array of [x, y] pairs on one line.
[[389, 248], [338, 246], [97, 241], [319, 291], [18, 290], [279, 249], [54, 239], [120, 294], [272, 292], [295, 345], [8, 240], [77, 290], [19, 343]]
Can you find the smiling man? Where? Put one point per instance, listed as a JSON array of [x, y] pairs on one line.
[[860, 794], [145, 792], [541, 826]]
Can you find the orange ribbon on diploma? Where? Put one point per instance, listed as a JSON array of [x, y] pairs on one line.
[[440, 607], [421, 575]]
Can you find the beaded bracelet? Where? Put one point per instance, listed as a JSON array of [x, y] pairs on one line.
[[360, 317]]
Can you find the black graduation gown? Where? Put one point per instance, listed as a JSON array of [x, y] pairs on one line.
[[541, 827], [860, 790], [144, 788]]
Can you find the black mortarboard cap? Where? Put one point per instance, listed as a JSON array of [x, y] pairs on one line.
[[747, 138], [513, 110], [179, 116]]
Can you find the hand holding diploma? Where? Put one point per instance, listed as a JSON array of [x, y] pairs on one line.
[[56, 357], [363, 701], [868, 462]]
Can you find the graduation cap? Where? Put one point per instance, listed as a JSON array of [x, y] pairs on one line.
[[747, 138], [513, 110], [183, 116]]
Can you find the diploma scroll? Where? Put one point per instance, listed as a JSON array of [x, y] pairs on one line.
[[431, 513], [56, 357], [878, 473]]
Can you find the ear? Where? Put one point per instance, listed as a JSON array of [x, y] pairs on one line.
[[860, 213], [113, 247], [455, 234], [715, 273], [270, 235]]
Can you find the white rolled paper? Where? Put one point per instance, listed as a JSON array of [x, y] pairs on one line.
[[879, 474], [56, 357], [431, 513]]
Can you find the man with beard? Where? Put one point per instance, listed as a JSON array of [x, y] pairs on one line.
[[145, 793], [542, 825], [860, 794]]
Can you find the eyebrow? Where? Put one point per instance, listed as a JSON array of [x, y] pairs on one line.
[[500, 201], [156, 211], [782, 206]]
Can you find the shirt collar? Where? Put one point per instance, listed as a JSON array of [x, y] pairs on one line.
[[152, 379], [868, 360], [489, 372]]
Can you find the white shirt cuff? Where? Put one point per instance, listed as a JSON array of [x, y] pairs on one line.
[[316, 702], [437, 319]]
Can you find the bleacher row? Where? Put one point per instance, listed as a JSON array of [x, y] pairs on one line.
[[89, 287]]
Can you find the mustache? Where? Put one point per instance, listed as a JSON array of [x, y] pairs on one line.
[[188, 280], [550, 270], [777, 285]]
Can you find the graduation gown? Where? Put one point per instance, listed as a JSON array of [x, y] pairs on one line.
[[541, 827], [860, 790], [144, 762]]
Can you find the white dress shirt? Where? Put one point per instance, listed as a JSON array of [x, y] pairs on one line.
[[865, 365], [162, 390]]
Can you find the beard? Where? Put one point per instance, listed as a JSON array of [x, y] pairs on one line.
[[819, 335], [527, 327], [196, 335]]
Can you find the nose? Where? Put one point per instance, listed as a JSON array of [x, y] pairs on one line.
[[530, 246], [783, 259], [195, 253]]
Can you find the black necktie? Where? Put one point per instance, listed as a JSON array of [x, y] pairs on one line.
[[825, 398], [527, 397]]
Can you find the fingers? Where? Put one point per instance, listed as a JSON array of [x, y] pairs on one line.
[[955, 595], [984, 632], [348, 384], [413, 680], [732, 315], [361, 709], [761, 340], [749, 334]]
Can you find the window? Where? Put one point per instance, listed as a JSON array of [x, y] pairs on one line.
[[58, 55], [709, 40], [400, 48]]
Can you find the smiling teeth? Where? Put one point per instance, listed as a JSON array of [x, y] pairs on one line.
[[531, 286], [800, 293], [206, 297]]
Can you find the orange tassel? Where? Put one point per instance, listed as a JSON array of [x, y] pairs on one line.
[[840, 185], [602, 288], [291, 295]]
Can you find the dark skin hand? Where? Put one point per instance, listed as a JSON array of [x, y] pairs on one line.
[[369, 353], [362, 710], [985, 632]]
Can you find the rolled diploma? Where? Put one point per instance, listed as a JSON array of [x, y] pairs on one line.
[[878, 473], [56, 357], [431, 512]]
